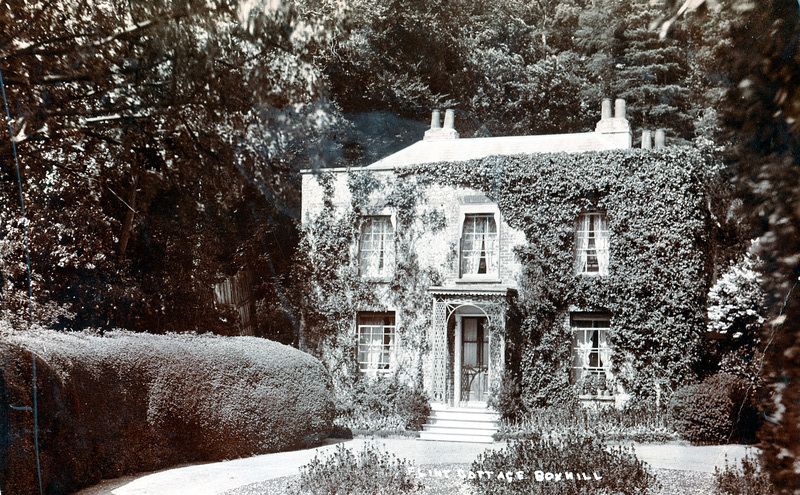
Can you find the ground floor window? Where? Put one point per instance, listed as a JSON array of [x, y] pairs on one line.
[[590, 351], [376, 342]]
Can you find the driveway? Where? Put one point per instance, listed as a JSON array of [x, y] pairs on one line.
[[219, 477]]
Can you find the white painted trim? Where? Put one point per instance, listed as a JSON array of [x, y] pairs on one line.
[[457, 360]]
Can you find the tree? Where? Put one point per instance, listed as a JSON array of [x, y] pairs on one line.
[[141, 128], [761, 118]]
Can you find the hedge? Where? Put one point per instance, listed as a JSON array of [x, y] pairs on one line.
[[129, 402]]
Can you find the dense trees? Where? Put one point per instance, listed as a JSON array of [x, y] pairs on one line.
[[761, 112], [527, 67], [142, 130]]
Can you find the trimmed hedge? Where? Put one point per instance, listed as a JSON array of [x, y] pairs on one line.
[[130, 402], [717, 410]]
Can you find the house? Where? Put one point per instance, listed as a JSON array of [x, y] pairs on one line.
[[441, 241]]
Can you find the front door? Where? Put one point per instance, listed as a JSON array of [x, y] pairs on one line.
[[474, 359]]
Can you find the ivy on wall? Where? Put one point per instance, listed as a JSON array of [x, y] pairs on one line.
[[661, 227], [664, 236], [332, 291]]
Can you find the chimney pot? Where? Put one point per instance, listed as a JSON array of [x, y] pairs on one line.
[[436, 120], [449, 118], [660, 138], [606, 109], [619, 109], [647, 142]]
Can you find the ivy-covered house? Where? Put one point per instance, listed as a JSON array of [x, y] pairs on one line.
[[562, 267]]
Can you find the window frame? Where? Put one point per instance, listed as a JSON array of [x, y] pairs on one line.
[[387, 351], [602, 254], [580, 371], [480, 210], [389, 263]]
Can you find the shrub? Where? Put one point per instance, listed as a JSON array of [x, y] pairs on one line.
[[639, 423], [383, 404], [137, 402], [557, 466], [367, 472], [744, 479], [507, 399], [717, 410]]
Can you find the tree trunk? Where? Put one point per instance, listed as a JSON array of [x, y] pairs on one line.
[[127, 225]]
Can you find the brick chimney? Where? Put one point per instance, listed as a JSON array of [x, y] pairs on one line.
[[439, 133], [615, 128]]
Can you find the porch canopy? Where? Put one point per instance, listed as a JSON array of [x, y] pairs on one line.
[[444, 369]]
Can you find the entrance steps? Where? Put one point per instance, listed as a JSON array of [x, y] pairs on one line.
[[475, 424]]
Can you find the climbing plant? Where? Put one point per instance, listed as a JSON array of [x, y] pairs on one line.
[[662, 213], [333, 292], [661, 226]]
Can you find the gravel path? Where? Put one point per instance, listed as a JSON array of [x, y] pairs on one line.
[[683, 469]]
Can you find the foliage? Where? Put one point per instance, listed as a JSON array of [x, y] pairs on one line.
[[638, 423], [329, 291], [735, 315], [745, 479], [660, 266], [507, 400], [142, 129], [760, 114], [365, 472], [383, 403], [718, 410], [515, 68], [127, 402], [618, 468]]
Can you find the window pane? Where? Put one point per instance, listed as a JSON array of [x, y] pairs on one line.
[[591, 239], [376, 249], [376, 333], [479, 247], [590, 345]]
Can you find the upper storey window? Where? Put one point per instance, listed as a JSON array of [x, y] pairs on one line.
[[479, 246], [376, 249], [591, 236]]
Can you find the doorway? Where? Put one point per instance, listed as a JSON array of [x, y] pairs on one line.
[[474, 359]]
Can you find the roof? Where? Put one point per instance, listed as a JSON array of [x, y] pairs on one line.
[[454, 150]]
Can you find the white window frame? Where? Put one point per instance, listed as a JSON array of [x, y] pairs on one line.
[[592, 239], [388, 247], [583, 348], [376, 355], [488, 210]]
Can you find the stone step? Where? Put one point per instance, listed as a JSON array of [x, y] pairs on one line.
[[460, 415], [451, 423], [454, 437], [434, 421], [474, 424], [460, 430]]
